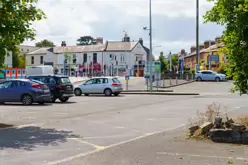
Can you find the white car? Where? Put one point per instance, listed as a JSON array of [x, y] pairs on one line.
[[99, 85]]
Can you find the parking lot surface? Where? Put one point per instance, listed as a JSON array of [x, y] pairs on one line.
[[69, 133]]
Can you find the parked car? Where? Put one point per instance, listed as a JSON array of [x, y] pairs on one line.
[[60, 86], [101, 85], [25, 91], [210, 75]]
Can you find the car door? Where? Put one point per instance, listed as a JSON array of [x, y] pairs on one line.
[[16, 90], [205, 75], [99, 85], [4, 95], [87, 87]]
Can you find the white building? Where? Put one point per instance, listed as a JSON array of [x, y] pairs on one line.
[[112, 56]]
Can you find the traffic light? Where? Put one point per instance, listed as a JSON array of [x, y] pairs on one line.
[[110, 57]]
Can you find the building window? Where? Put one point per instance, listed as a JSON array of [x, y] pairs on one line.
[[115, 58], [74, 59], [32, 59], [41, 60], [85, 58], [27, 50], [94, 57]]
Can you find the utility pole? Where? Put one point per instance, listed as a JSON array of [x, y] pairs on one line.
[[63, 44], [197, 36], [150, 57]]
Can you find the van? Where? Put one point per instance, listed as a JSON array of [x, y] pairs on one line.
[[40, 70]]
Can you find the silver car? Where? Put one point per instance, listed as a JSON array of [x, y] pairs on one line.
[[100, 85]]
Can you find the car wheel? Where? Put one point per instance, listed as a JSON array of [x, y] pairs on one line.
[[217, 79], [116, 94], [86, 94], [41, 102], [27, 99], [108, 92], [199, 79], [78, 92], [64, 99], [53, 98]]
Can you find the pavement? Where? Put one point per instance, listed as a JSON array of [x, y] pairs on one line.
[[124, 130]]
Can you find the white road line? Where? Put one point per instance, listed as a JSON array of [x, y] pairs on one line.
[[105, 137], [119, 127], [97, 147], [202, 156], [111, 146]]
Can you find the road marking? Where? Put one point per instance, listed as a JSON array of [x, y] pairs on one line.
[[203, 156], [119, 127], [105, 137], [238, 107], [111, 146], [88, 143]]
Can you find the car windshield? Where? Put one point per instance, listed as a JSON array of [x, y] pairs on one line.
[[65, 80]]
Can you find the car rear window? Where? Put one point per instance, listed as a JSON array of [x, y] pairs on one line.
[[37, 82], [64, 80], [115, 80]]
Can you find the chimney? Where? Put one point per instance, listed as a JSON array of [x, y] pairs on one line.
[[201, 46], [63, 43], [192, 49], [208, 43], [183, 51], [217, 39], [141, 41], [126, 38]]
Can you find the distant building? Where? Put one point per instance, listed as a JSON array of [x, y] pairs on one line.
[[209, 48], [112, 56]]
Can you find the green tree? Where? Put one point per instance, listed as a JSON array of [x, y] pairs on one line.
[[162, 62], [86, 40], [15, 24], [232, 14], [15, 59], [44, 43]]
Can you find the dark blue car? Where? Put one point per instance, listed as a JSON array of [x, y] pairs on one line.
[[25, 91]]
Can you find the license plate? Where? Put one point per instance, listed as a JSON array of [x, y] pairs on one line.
[[68, 87], [46, 91]]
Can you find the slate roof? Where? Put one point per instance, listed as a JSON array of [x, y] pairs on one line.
[[120, 46], [40, 51]]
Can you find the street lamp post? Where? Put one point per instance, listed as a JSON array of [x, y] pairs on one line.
[[150, 57], [63, 44], [197, 36]]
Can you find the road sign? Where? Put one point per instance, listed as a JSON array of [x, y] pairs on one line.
[[127, 77]]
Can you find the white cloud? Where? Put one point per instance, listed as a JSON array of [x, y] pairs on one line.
[[70, 19]]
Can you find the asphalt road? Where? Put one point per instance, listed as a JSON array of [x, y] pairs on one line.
[[129, 129]]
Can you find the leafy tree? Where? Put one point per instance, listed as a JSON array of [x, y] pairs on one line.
[[22, 61], [15, 59], [162, 62], [15, 24], [44, 43], [232, 14], [86, 40]]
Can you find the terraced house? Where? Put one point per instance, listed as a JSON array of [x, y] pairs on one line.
[[210, 55], [113, 56]]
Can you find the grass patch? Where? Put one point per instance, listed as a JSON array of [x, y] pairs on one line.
[[242, 120]]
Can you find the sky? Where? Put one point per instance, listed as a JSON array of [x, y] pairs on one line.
[[173, 21]]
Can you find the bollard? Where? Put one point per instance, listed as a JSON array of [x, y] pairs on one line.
[[187, 77], [176, 80], [170, 81], [163, 83]]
